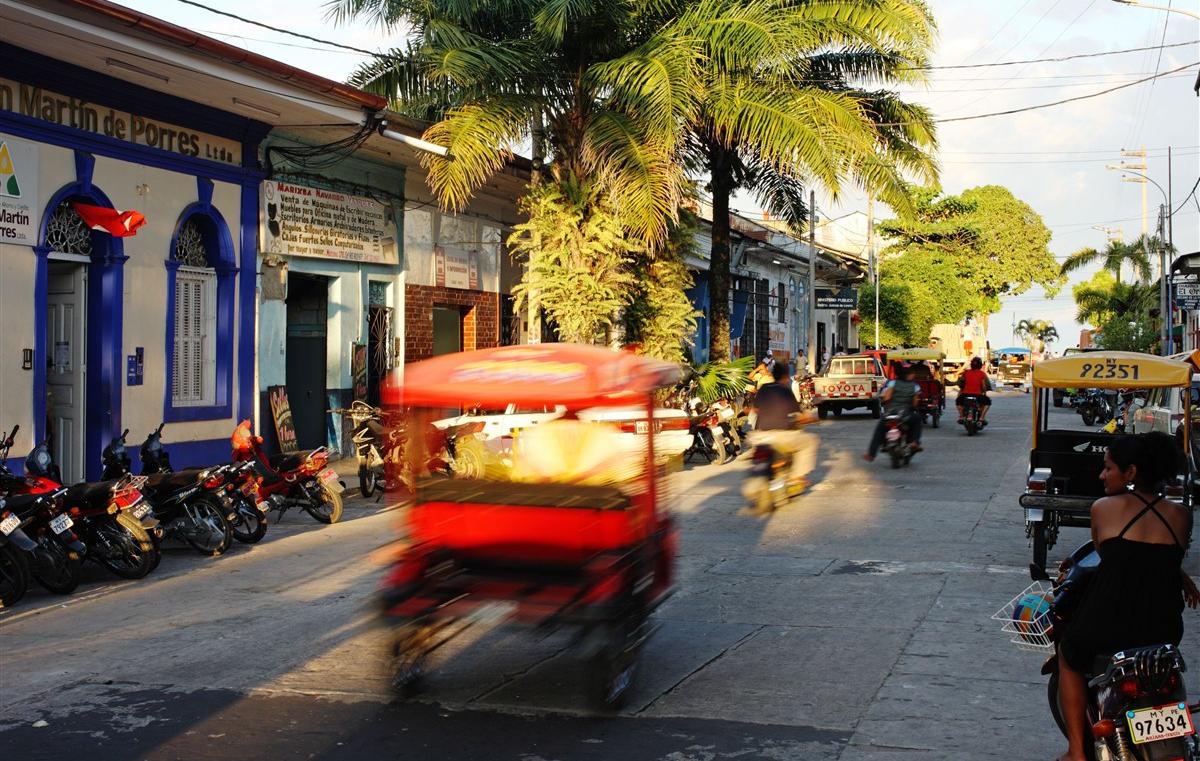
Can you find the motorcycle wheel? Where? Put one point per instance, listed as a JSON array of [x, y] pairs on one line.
[[250, 525], [14, 576], [329, 510], [718, 448], [368, 481], [935, 419], [1040, 545], [1088, 418], [135, 547], [469, 461], [896, 460], [611, 673], [54, 568], [207, 531], [971, 429]]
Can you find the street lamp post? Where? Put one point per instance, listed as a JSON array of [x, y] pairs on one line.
[[1163, 222], [1139, 4]]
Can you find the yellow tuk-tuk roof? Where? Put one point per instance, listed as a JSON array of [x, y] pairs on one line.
[[1111, 369], [915, 355]]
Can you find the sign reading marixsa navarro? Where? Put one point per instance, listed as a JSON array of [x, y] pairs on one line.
[[306, 221]]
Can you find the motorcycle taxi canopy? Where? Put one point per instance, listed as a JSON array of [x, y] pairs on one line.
[[573, 375], [1191, 357], [1112, 370]]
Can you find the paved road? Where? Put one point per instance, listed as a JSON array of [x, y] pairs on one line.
[[851, 626]]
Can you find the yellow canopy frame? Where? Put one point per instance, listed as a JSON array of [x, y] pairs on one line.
[[1112, 370]]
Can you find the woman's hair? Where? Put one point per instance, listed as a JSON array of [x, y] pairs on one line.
[[976, 363], [1155, 454]]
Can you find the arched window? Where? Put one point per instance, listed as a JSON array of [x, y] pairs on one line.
[[193, 362], [67, 233]]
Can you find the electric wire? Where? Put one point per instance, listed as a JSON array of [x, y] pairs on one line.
[[243, 19], [1150, 89], [1190, 194]]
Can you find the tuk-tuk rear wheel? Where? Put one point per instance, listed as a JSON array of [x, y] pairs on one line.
[[1040, 531]]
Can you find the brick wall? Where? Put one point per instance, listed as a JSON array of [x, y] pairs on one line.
[[481, 318]]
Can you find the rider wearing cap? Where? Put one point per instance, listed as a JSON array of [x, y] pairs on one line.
[[974, 383]]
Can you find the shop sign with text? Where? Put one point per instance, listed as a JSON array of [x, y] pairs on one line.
[[303, 221], [18, 191], [38, 103], [455, 268]]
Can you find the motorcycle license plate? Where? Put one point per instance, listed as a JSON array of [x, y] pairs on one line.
[[250, 487], [330, 479], [1147, 725], [893, 434], [642, 426], [9, 525], [61, 523], [140, 511]]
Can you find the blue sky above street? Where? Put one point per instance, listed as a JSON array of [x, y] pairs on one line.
[[1052, 158]]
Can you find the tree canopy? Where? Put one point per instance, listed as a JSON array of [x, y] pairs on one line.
[[996, 242], [917, 290]]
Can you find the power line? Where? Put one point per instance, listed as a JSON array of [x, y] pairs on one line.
[[1157, 65], [245, 20], [1049, 60], [1185, 198], [1048, 105], [1004, 88], [281, 43]]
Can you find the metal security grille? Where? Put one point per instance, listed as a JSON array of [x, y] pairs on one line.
[[756, 335], [67, 233], [193, 366]]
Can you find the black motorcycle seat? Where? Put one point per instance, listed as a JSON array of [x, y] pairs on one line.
[[21, 504], [172, 481], [93, 494], [287, 461]]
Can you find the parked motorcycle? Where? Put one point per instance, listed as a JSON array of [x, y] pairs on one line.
[[1092, 405], [730, 423], [301, 480], [15, 550], [971, 412], [56, 558], [897, 441], [377, 446], [108, 516], [1137, 705], [708, 438]]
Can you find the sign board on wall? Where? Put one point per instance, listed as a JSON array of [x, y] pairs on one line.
[[1185, 287], [18, 191], [281, 410], [38, 103], [778, 336], [304, 221], [828, 298], [455, 268]]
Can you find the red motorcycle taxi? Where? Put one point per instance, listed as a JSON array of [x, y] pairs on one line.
[[566, 529]]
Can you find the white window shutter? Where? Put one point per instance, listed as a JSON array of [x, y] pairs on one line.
[[193, 371]]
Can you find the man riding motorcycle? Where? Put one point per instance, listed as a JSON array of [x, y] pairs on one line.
[[777, 417], [899, 397], [974, 383]]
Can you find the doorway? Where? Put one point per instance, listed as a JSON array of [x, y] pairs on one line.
[[447, 330], [66, 367], [379, 340], [307, 321]]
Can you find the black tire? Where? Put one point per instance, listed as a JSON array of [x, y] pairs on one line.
[[1059, 397], [368, 481], [1039, 544], [125, 534], [972, 429], [14, 575], [329, 510], [1052, 701], [1088, 418], [56, 568], [822, 411], [837, 410], [611, 674], [877, 411], [896, 460], [718, 448], [935, 419], [209, 532], [250, 525]]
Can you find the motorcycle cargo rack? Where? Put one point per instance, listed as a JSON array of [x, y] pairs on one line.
[[1026, 618]]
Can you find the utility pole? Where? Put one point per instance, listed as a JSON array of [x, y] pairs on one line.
[[1112, 234], [1141, 180], [1164, 315], [812, 281], [874, 260]]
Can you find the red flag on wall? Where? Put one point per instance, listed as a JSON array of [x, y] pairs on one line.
[[119, 224]]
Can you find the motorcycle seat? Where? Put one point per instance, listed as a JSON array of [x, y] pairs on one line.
[[23, 504], [286, 461], [172, 481], [91, 494]]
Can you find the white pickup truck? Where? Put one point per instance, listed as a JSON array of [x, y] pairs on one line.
[[849, 381]]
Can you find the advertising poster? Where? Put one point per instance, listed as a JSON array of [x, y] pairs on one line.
[[18, 191], [325, 224]]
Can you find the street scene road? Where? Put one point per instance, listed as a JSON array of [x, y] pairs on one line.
[[852, 625]]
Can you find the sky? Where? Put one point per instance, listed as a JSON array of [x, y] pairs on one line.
[[1052, 158]]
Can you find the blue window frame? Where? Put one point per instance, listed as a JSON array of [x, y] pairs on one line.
[[200, 314]]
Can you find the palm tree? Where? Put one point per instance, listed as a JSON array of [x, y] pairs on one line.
[[781, 110], [1096, 304], [1115, 255], [1037, 333]]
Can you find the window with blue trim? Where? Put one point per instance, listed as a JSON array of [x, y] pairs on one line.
[[193, 365]]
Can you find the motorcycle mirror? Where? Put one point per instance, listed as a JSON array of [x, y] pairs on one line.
[[1037, 573]]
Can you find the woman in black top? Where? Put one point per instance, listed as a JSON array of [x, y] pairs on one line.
[[1137, 595]]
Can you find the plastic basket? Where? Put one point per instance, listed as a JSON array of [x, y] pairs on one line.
[[1026, 618]]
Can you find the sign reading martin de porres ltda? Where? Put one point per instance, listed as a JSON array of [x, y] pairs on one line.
[[302, 221], [18, 191]]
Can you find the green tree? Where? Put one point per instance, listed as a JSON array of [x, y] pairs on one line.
[[579, 258], [1103, 298], [659, 318], [1129, 333], [918, 290], [1037, 333], [997, 242], [1115, 255]]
